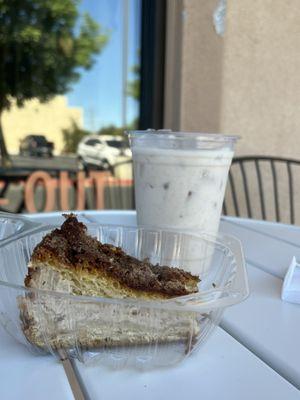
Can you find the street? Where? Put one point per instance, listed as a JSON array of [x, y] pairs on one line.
[[67, 162]]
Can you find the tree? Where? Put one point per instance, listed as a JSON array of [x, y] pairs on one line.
[[44, 44], [111, 130], [72, 136], [134, 91], [133, 87]]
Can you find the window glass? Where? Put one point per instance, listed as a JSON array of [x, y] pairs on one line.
[[92, 142], [68, 69], [115, 143]]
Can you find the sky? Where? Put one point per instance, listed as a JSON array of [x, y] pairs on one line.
[[99, 91]]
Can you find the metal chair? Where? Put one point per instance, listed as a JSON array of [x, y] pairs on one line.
[[265, 188]]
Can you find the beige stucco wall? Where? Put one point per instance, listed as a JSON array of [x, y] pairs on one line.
[[248, 81], [39, 118], [201, 68]]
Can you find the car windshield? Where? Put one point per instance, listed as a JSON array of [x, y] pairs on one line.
[[40, 140], [119, 144]]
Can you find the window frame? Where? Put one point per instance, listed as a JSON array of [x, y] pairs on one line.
[[153, 48]]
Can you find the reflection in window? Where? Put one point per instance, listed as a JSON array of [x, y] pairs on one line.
[[68, 69], [68, 65]]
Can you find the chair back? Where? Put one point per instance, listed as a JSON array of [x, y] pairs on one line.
[[265, 188]]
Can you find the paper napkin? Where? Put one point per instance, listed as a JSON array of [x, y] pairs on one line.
[[291, 285]]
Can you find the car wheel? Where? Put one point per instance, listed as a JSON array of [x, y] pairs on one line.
[[105, 165]]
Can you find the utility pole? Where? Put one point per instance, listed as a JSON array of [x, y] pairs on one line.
[[125, 61]]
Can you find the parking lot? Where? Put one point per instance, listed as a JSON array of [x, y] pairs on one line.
[[67, 162]]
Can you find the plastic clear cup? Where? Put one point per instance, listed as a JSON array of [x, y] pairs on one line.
[[180, 178]]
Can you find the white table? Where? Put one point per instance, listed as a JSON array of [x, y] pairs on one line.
[[253, 355], [264, 324], [24, 376]]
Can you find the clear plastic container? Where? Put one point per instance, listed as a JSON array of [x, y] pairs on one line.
[[11, 225], [128, 332]]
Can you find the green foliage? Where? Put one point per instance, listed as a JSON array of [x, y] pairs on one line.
[[72, 136], [111, 130], [134, 124], [43, 46], [134, 86], [118, 130]]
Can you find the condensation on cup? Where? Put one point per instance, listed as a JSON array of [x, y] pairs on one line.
[[180, 180]]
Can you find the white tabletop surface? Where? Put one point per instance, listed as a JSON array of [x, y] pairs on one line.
[[25, 376], [230, 365], [267, 326], [268, 250], [289, 233], [221, 369], [264, 323]]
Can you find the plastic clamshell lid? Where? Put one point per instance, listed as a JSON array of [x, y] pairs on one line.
[[225, 284]]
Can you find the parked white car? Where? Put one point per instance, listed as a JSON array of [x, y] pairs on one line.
[[102, 151]]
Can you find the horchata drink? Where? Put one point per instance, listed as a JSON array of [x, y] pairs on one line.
[[180, 178]]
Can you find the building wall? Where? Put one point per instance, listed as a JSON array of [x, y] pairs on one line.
[[246, 82], [48, 119], [201, 74]]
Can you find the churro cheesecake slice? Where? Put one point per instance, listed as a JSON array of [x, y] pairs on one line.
[[69, 260], [84, 266]]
